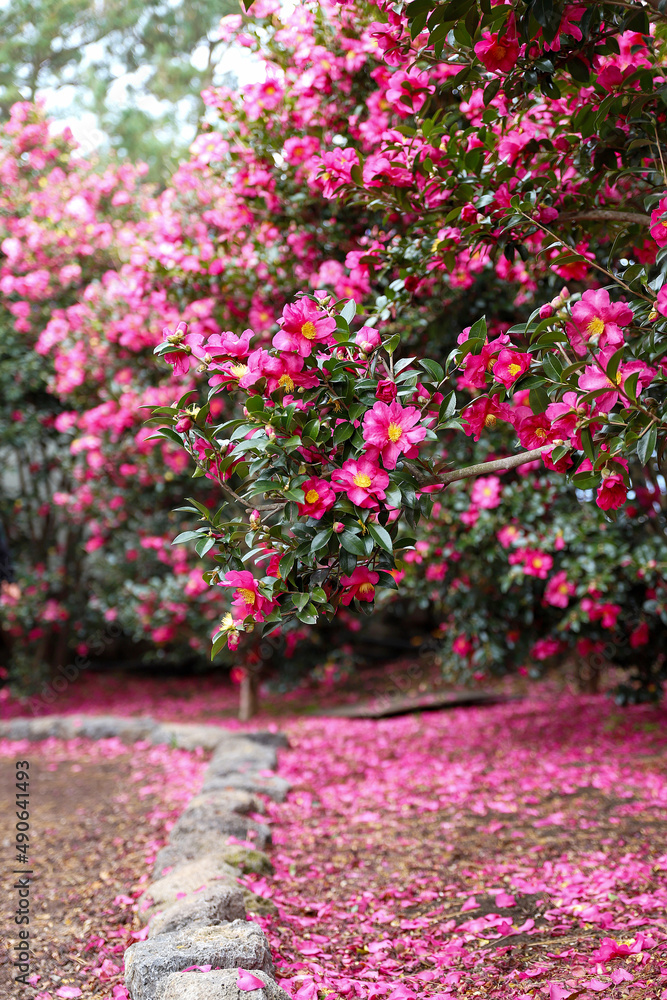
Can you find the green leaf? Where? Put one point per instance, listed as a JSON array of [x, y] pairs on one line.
[[647, 444], [342, 433], [349, 310], [204, 545], [353, 543], [538, 399], [587, 443], [185, 536], [218, 643], [321, 539], [380, 535], [434, 369]]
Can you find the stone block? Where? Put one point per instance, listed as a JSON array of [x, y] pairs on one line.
[[219, 985]]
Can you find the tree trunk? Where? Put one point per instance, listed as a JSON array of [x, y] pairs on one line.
[[249, 695]]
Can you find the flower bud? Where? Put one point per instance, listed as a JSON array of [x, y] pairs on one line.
[[547, 311], [338, 526], [386, 391], [183, 425]]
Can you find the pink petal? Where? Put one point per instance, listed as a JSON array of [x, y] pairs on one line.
[[246, 981], [470, 904], [69, 992], [504, 899]]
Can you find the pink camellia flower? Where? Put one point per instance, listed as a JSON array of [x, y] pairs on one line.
[[477, 365], [386, 391], [337, 167], [486, 492], [249, 981], [534, 429], [510, 366], [599, 320], [639, 636], [189, 347], [368, 338], [462, 646], [389, 431], [228, 345], [318, 498], [612, 491], [362, 481], [361, 584], [658, 228], [247, 598], [559, 590], [238, 372], [595, 377], [498, 53], [286, 372], [661, 302], [303, 324], [535, 563], [483, 414], [544, 648]]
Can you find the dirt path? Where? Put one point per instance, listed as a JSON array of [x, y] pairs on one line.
[[89, 833]]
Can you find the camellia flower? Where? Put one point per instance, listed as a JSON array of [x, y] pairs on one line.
[[389, 431], [483, 413], [361, 584], [658, 228], [462, 646], [559, 590], [362, 481], [486, 492], [639, 636], [286, 372], [510, 366], [498, 53], [600, 320], [189, 347], [386, 391], [612, 491], [247, 598], [595, 377], [368, 338], [318, 498], [533, 429], [303, 324]]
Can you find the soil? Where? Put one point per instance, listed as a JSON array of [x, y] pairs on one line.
[[88, 842]]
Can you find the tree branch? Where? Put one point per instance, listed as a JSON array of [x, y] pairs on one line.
[[605, 215], [498, 465]]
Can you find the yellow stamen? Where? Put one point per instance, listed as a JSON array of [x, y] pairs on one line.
[[308, 330], [366, 588], [238, 371], [286, 382], [540, 433], [490, 420], [394, 431], [312, 496], [249, 596], [361, 479], [514, 369], [595, 327]]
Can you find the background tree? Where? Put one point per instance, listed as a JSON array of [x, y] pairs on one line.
[[86, 47]]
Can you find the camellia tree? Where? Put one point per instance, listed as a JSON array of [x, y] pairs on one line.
[[489, 154]]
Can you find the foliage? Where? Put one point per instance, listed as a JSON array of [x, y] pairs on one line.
[[481, 180], [86, 47]]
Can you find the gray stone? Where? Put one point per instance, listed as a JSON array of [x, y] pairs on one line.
[[272, 785], [196, 875], [219, 985], [215, 905], [15, 729], [104, 727], [277, 740], [237, 800], [239, 944], [239, 754], [201, 845], [226, 824], [188, 735]]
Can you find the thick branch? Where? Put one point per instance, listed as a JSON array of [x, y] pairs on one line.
[[498, 465], [606, 215]]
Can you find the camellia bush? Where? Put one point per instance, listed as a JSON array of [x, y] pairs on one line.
[[502, 328], [411, 292]]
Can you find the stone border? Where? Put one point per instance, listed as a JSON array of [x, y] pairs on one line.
[[195, 907]]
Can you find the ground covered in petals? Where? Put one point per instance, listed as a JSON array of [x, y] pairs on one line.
[[98, 811], [508, 852]]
